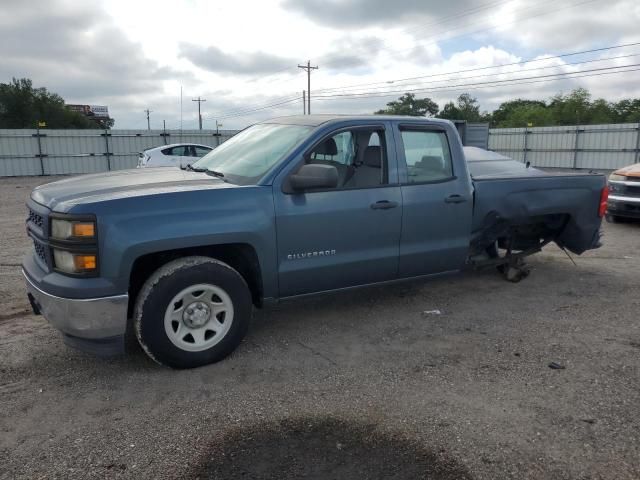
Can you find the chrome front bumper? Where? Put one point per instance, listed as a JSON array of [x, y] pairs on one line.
[[624, 206], [90, 318]]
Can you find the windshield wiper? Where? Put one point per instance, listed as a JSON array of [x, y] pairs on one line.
[[193, 169]]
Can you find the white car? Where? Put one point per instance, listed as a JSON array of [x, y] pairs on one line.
[[174, 155]]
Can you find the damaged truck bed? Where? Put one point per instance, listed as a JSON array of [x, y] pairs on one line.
[[519, 209]]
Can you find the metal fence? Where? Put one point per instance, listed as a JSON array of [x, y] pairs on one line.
[[476, 135], [600, 147], [59, 152]]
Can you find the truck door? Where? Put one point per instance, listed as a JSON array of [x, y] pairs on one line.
[[348, 235], [437, 201]]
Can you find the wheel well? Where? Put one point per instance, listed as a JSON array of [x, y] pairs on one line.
[[527, 234], [240, 256], [520, 234]]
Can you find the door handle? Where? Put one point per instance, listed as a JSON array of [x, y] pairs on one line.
[[455, 199], [384, 205]]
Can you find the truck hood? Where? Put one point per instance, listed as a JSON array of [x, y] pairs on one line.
[[630, 171], [64, 194]]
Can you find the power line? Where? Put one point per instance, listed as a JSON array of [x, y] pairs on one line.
[[308, 68], [283, 100], [440, 21], [496, 83], [328, 62], [418, 84], [487, 29], [476, 86], [247, 112], [444, 20], [254, 108], [199, 100], [522, 62], [460, 14], [241, 109]]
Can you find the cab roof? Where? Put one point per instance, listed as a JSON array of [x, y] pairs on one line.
[[316, 120]]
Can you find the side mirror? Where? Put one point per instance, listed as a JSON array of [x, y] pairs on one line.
[[314, 176]]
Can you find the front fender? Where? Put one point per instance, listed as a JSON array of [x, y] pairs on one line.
[[131, 228]]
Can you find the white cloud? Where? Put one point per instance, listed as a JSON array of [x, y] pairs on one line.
[[243, 54]]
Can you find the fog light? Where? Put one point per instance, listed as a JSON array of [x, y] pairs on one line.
[[84, 262], [74, 262]]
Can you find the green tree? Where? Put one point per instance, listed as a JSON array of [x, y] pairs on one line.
[[528, 115], [627, 111], [571, 109], [600, 111], [407, 104], [23, 106], [503, 115], [466, 108], [577, 107]]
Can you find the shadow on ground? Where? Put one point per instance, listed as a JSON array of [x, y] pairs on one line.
[[322, 448]]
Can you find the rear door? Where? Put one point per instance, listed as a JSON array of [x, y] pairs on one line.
[[345, 236], [437, 201]]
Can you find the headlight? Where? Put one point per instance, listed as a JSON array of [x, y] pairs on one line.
[[69, 262], [74, 244], [72, 229], [614, 177]]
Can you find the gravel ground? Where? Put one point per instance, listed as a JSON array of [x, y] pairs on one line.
[[362, 384]]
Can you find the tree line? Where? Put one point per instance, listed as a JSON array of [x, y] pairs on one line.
[[575, 108], [24, 106]]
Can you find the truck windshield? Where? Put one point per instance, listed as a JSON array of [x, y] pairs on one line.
[[247, 156]]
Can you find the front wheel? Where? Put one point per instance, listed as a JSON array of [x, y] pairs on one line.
[[191, 312]]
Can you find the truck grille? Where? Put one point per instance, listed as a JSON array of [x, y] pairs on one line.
[[633, 191], [36, 219], [40, 250], [38, 231]]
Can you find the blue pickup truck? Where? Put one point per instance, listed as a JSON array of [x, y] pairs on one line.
[[178, 258]]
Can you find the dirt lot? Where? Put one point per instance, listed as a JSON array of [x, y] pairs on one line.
[[356, 385]]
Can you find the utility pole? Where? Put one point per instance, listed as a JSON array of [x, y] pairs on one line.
[[218, 125], [199, 100], [304, 102], [147, 111], [308, 68]]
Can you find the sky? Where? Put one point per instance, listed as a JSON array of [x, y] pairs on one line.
[[242, 56]]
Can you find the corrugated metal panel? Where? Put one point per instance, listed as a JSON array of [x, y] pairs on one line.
[[605, 147], [18, 150], [477, 135], [74, 151], [84, 151], [506, 140], [87, 151]]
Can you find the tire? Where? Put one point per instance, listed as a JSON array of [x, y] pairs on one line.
[[191, 312]]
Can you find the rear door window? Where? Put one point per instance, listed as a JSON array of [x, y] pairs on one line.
[[427, 156]]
